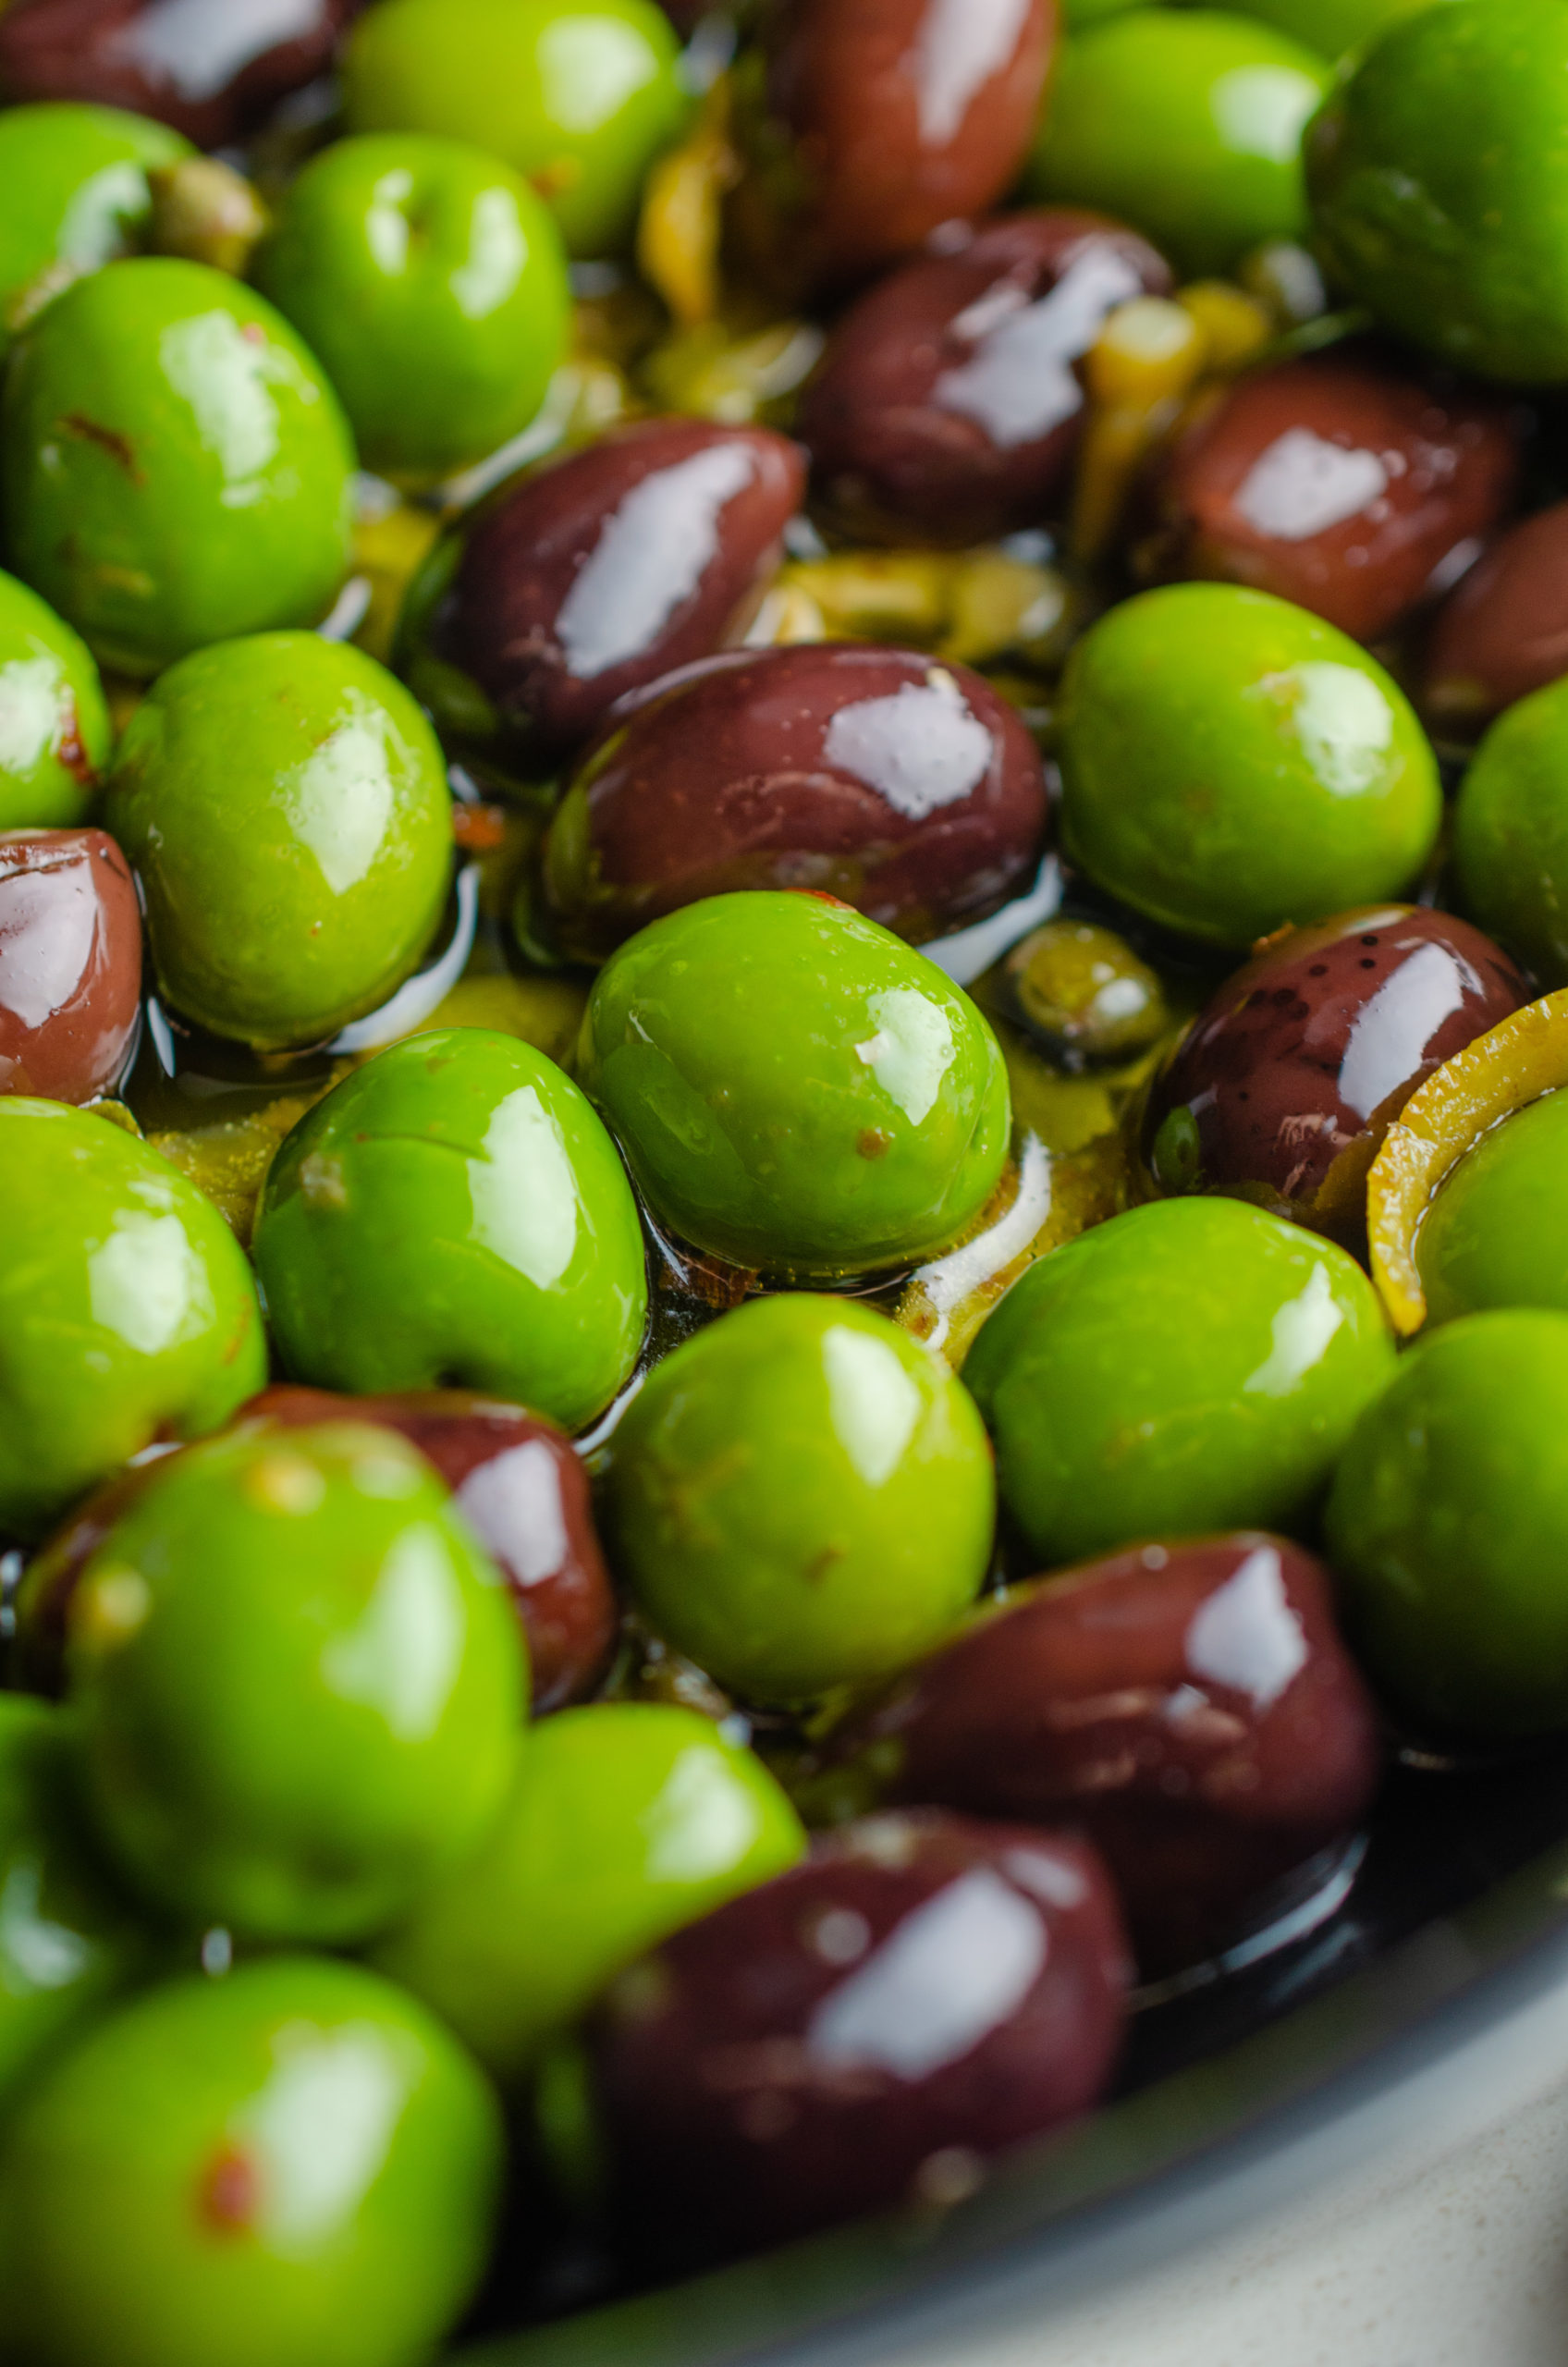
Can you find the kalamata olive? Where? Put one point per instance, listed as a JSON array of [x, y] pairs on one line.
[[1337, 483], [923, 1992], [1284, 1086], [602, 573], [907, 789], [882, 121], [525, 1494], [70, 963], [948, 406], [1503, 630], [210, 68], [1190, 1706]]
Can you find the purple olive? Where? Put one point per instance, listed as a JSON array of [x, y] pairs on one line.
[[948, 404], [1285, 1085], [1504, 631], [907, 789], [1190, 1706], [70, 963], [924, 1993]]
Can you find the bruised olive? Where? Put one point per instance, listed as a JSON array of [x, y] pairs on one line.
[[1285, 1085], [1085, 991], [1190, 1706], [595, 577], [866, 2029], [70, 963], [907, 789], [948, 406], [208, 67], [1337, 483], [879, 121], [1502, 632]]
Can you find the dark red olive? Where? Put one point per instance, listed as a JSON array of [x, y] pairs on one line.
[[597, 576], [922, 1993], [1504, 631], [1190, 1706], [907, 789], [1286, 1084], [883, 121], [70, 963], [211, 67], [1337, 483], [948, 406]]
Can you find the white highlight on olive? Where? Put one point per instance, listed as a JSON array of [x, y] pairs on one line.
[[651, 556], [340, 802], [1021, 383], [1393, 1031], [912, 1050], [524, 1191], [702, 1822], [199, 48], [874, 1404], [1302, 1330], [955, 1970], [922, 747], [320, 2129], [146, 1283], [962, 44], [516, 1497], [1246, 1635], [402, 1656], [1303, 485]]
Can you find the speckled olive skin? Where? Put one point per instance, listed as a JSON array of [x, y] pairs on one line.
[[269, 1737], [521, 1486], [70, 963], [127, 1309], [1287, 1083], [1447, 1528], [580, 100], [54, 729], [794, 1089], [1192, 1366], [183, 2144], [176, 468], [946, 407], [778, 2067], [1230, 763], [1337, 482], [596, 577], [1511, 833], [1502, 632], [303, 896], [454, 1214], [873, 123], [626, 1822], [801, 1497], [1188, 1707], [1186, 125], [912, 790], [1439, 175], [76, 191], [212, 73], [1495, 1235], [431, 282]]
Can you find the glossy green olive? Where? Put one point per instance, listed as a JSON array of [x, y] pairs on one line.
[[1186, 125], [794, 1087], [579, 95], [1448, 1526], [1439, 175], [1230, 763], [1511, 833], [1330, 26], [454, 1215], [127, 1309], [1193, 1366], [431, 281], [55, 727], [75, 179], [1497, 1234], [626, 1822], [293, 2163], [305, 892], [176, 468], [801, 1497], [297, 1684]]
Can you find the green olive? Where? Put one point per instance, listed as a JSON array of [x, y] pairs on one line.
[[1511, 832], [75, 179], [1497, 1234], [54, 729]]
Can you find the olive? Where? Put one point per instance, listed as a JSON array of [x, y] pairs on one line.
[[1285, 1084], [41, 1608], [948, 406], [879, 121], [523, 1491], [1190, 1706], [595, 577], [1084, 989], [1502, 632], [1337, 483], [70, 963], [866, 2029], [207, 66], [909, 790]]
